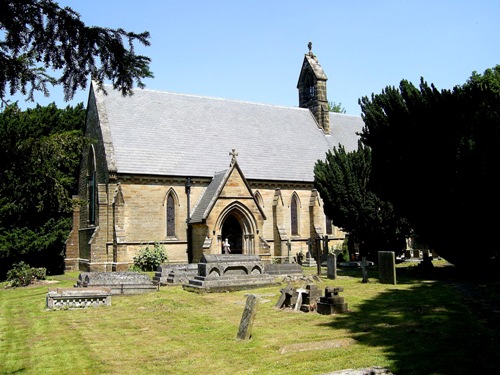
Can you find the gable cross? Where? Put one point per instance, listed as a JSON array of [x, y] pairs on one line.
[[233, 155]]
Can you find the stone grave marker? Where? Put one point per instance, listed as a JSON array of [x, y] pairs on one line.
[[331, 264], [248, 317], [285, 298], [387, 267], [332, 303]]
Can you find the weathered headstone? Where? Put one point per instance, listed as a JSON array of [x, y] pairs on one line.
[[387, 267], [285, 297], [331, 264], [364, 271], [248, 317]]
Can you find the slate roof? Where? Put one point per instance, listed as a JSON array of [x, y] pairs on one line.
[[210, 193], [172, 134]]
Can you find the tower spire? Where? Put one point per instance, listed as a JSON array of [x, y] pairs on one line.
[[312, 89]]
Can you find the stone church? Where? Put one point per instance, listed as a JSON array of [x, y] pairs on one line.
[[190, 172]]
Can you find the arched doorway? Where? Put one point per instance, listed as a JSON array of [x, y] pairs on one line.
[[231, 229]]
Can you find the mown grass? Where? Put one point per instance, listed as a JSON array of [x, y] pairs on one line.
[[419, 326]]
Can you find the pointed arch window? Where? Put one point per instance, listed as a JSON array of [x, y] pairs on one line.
[[91, 187], [294, 215], [170, 215]]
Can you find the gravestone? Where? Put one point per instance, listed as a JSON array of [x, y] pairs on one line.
[[300, 299], [248, 317], [332, 303], [364, 271], [309, 261], [285, 299], [387, 267], [331, 264]]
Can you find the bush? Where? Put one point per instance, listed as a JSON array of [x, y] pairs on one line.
[[149, 258], [22, 274]]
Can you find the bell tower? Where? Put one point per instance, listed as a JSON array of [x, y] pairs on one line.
[[312, 89]]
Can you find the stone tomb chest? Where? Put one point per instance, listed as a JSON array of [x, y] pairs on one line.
[[126, 282], [226, 272]]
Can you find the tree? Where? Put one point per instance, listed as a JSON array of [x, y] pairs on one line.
[[38, 35], [40, 152], [435, 157], [342, 180], [334, 107]]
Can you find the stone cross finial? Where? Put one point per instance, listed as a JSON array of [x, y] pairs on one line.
[[233, 155]]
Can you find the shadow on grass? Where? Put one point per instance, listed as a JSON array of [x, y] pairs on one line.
[[427, 329]]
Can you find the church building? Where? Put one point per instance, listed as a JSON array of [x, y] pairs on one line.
[[192, 173]]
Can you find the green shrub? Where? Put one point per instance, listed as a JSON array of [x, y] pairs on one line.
[[22, 274], [150, 257]]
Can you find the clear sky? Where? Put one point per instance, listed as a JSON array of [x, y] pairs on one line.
[[252, 50]]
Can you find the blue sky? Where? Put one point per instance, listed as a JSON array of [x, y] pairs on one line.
[[252, 50]]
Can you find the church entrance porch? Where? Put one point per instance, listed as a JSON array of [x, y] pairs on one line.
[[237, 225]]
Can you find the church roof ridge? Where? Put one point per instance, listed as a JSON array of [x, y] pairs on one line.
[[109, 87]]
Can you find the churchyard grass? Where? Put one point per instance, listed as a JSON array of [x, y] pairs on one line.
[[419, 326]]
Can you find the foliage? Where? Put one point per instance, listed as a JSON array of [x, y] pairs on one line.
[[342, 181], [38, 35], [435, 157], [22, 274], [39, 159], [334, 107], [149, 258]]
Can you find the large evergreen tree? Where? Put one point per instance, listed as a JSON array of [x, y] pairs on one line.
[[342, 180], [38, 35], [435, 157], [40, 152]]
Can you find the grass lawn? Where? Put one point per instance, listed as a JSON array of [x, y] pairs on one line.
[[421, 325]]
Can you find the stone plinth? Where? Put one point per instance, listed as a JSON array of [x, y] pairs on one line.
[[331, 303]]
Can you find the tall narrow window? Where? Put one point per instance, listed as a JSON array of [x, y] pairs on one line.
[[329, 225], [91, 187], [170, 216], [294, 216]]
